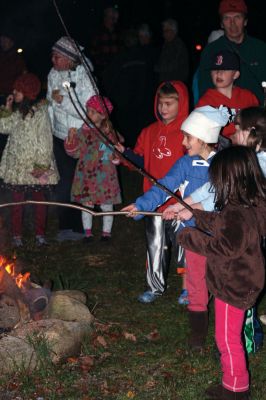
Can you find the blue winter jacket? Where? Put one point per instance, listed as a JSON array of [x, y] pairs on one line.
[[187, 174]]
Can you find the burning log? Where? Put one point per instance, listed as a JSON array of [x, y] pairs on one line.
[[17, 291], [12, 295]]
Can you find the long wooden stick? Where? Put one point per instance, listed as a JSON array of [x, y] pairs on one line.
[[87, 210]]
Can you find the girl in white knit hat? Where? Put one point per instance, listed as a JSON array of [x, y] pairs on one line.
[[201, 130]]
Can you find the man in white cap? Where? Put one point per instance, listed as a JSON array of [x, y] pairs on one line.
[[67, 67]]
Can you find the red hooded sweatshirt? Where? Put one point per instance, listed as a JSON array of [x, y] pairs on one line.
[[161, 144], [241, 98]]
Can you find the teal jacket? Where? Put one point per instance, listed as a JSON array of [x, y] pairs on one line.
[[252, 54]]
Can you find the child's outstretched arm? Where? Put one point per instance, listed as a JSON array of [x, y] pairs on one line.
[[231, 239], [172, 212], [131, 208]]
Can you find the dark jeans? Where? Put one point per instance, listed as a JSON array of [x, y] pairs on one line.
[[68, 217]]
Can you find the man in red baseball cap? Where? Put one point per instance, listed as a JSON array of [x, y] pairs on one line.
[[233, 15], [251, 51]]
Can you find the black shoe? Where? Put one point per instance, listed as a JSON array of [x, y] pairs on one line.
[[88, 239], [218, 392], [106, 237]]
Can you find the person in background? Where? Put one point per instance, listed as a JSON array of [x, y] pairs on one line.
[[129, 81], [225, 71], [27, 164], [106, 43], [251, 51], [214, 35], [67, 67], [231, 241], [12, 65], [144, 35], [173, 61], [95, 181]]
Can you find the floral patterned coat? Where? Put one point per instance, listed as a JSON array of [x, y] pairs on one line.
[[95, 180], [29, 145]]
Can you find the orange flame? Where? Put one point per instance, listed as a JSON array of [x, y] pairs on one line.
[[20, 279]]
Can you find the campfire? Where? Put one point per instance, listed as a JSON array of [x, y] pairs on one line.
[[61, 317], [18, 292]]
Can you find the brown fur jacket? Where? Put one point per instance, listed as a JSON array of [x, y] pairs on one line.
[[231, 241]]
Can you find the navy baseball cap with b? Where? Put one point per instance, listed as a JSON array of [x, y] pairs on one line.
[[225, 60]]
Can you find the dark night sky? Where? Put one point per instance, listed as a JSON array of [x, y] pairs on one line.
[[36, 24]]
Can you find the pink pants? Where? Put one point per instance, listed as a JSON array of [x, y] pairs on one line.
[[196, 282], [17, 213], [228, 328]]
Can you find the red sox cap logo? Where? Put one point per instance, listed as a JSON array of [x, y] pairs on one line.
[[219, 60]]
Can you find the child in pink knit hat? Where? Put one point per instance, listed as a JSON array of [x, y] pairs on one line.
[[95, 181]]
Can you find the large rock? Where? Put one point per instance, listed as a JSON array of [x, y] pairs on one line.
[[75, 294], [65, 324], [64, 338], [9, 312], [67, 308], [16, 352]]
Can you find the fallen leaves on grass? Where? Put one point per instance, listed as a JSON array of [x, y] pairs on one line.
[[131, 394], [86, 363], [153, 336], [130, 336], [150, 384], [99, 340]]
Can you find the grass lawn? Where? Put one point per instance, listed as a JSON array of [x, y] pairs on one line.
[[136, 351]]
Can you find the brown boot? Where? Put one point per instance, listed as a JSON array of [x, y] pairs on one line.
[[198, 323], [218, 392]]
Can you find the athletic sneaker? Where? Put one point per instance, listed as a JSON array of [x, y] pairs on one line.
[[183, 298], [147, 297], [41, 241]]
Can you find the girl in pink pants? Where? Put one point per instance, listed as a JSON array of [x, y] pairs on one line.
[[231, 241]]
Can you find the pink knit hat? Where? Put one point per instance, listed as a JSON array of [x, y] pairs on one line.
[[100, 104]]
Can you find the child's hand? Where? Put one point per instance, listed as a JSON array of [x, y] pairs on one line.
[[185, 215], [9, 102], [71, 134], [56, 96], [171, 212], [115, 160], [38, 172], [131, 210], [120, 147]]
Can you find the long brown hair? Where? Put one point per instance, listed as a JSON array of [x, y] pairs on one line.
[[236, 177], [254, 120]]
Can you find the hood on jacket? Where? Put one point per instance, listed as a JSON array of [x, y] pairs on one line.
[[183, 102]]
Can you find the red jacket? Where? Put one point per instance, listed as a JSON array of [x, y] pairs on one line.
[[160, 144], [241, 98]]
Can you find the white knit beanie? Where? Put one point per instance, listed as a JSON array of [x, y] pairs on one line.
[[206, 122]]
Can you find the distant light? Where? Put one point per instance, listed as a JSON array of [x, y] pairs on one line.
[[198, 47], [19, 50]]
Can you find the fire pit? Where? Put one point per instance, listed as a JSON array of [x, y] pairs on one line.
[[26, 309]]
